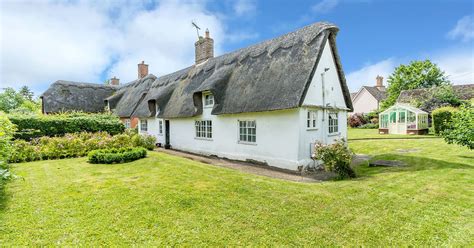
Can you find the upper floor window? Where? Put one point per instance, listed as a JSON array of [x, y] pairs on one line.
[[160, 126], [311, 119], [333, 122], [203, 129], [208, 100], [127, 123], [143, 125], [248, 131]]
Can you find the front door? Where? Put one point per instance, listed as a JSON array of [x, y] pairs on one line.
[[167, 134]]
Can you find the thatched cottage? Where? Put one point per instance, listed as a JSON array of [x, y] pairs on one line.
[[269, 102]]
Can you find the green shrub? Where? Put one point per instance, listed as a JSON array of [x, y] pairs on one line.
[[6, 134], [441, 118], [116, 155], [33, 126], [336, 157], [461, 128], [74, 145]]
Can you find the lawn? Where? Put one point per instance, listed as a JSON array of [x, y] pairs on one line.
[[167, 200]]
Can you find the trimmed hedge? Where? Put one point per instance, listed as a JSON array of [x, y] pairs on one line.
[[34, 126], [120, 155], [441, 118]]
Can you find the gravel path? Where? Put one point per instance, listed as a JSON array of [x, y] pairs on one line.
[[262, 170]]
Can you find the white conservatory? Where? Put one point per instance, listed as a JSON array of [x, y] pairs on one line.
[[403, 119]]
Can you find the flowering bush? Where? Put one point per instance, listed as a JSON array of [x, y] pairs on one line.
[[116, 155], [6, 134], [336, 157], [74, 145], [357, 120]]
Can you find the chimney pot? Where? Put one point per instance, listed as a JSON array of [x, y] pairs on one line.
[[379, 83], [114, 81], [142, 70], [204, 48]]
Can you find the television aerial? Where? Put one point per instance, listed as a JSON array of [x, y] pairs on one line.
[[197, 27]]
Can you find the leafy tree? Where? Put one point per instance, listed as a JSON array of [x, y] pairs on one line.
[[10, 99], [461, 127], [21, 101], [417, 74], [26, 93]]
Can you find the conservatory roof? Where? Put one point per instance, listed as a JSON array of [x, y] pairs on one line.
[[405, 106]]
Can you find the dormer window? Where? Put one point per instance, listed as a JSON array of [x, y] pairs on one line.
[[208, 100]]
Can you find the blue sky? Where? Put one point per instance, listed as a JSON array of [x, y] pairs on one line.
[[91, 41]]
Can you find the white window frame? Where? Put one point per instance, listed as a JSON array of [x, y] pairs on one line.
[[143, 125], [333, 122], [127, 123], [247, 131], [312, 119], [160, 127], [203, 129], [208, 100]]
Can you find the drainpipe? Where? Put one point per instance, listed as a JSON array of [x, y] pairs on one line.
[[324, 102]]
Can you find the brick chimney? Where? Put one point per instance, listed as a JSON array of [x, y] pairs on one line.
[[379, 83], [142, 70], [204, 48], [114, 81]]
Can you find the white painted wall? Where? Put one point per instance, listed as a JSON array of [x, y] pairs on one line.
[[277, 137], [364, 102], [333, 92]]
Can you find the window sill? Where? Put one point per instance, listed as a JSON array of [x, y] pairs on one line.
[[160, 134], [208, 106], [312, 129], [334, 134], [247, 143], [200, 138]]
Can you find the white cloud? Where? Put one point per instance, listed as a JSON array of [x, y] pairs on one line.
[[325, 6], [463, 30], [43, 41], [458, 65], [245, 7], [366, 75]]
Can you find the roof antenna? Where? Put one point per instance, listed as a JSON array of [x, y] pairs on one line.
[[197, 28]]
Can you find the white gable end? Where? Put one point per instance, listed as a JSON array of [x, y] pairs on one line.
[[333, 96], [364, 102]]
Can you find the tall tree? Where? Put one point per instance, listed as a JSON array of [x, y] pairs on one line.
[[26, 93], [417, 74]]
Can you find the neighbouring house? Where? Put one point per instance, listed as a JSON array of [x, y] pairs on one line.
[[268, 102], [369, 98], [403, 119]]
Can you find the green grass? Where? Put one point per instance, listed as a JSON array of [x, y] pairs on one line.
[[167, 200]]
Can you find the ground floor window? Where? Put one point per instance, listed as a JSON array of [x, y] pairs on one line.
[[311, 119], [248, 131], [333, 122], [143, 125], [127, 123], [160, 126], [203, 129]]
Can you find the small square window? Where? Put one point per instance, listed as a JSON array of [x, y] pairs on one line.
[[203, 129], [248, 131], [144, 125], [333, 122], [208, 100]]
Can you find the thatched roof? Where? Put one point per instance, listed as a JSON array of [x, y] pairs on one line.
[[464, 92], [271, 75], [64, 96]]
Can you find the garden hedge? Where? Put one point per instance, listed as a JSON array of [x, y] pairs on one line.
[[113, 155], [441, 118], [34, 126]]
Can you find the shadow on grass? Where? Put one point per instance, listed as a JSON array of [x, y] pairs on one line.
[[412, 163], [396, 138], [3, 195]]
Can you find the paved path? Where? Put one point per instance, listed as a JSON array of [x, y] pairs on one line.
[[253, 168]]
